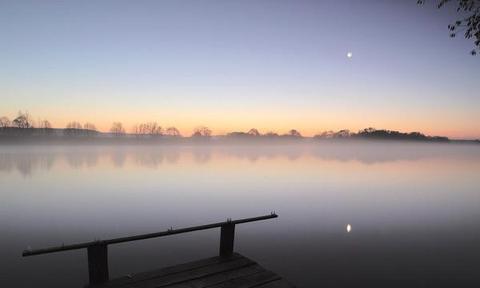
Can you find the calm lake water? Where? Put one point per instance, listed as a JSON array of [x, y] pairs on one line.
[[413, 209]]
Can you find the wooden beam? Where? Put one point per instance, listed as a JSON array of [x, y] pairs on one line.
[[98, 264], [227, 237], [144, 236]]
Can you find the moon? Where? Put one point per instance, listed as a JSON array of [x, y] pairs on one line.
[[349, 228], [349, 55]]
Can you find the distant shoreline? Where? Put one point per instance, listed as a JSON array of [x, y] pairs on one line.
[[82, 136]]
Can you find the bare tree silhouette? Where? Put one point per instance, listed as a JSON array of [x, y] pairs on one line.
[[5, 122], [117, 129], [89, 129], [136, 129], [23, 120], [73, 128], [89, 126], [325, 135], [345, 133], [149, 128], [271, 134], [44, 124], [172, 131], [154, 129], [74, 125], [294, 133], [242, 135], [253, 132], [202, 131]]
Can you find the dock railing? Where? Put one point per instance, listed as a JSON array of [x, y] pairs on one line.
[[97, 251]]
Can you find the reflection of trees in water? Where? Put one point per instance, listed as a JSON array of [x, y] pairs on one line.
[[255, 153], [149, 159], [91, 159], [253, 158], [294, 156], [364, 152], [118, 158], [153, 158], [74, 159], [7, 163], [77, 159], [202, 155], [384, 152], [172, 157], [26, 163], [364, 155]]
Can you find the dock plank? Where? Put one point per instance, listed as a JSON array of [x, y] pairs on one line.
[[235, 271], [143, 276], [253, 280], [194, 274], [282, 283], [220, 277]]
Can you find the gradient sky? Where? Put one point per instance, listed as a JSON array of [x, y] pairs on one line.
[[234, 65]]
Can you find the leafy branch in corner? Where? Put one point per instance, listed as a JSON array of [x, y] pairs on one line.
[[469, 24]]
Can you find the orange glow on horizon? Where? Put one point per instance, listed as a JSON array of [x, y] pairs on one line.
[[280, 120]]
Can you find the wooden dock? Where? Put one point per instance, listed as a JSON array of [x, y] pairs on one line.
[[229, 269], [216, 272]]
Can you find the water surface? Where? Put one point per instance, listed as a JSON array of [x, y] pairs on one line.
[[413, 210]]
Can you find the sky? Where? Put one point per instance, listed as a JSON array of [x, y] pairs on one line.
[[236, 65]]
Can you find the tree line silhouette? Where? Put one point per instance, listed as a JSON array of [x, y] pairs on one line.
[[24, 125], [382, 134]]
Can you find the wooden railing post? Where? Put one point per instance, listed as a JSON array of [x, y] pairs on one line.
[[227, 235], [98, 263], [98, 253]]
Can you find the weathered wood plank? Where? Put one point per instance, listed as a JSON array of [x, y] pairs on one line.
[[220, 277], [215, 272], [249, 281], [282, 283], [193, 274], [125, 280]]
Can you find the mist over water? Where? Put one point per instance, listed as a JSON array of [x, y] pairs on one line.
[[413, 210]]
